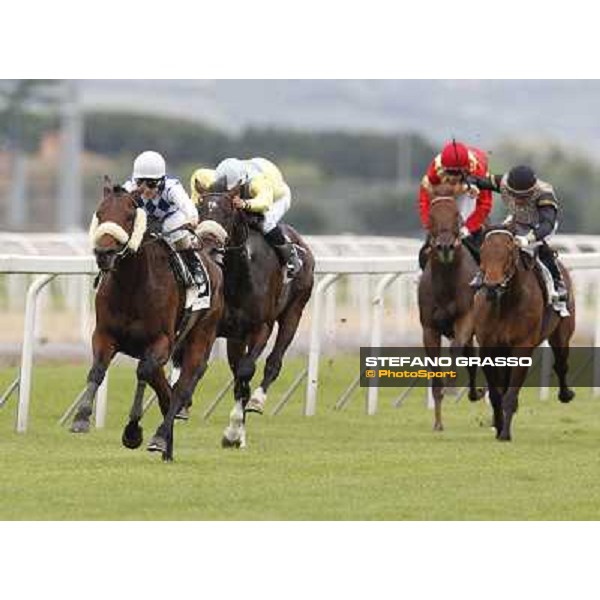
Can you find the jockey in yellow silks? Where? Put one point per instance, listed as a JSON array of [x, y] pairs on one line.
[[263, 190]]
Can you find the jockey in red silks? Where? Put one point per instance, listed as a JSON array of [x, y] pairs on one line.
[[457, 163]]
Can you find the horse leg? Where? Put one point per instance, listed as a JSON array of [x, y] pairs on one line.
[[287, 327], [256, 345], [195, 362], [432, 342], [153, 361], [234, 435], [257, 340], [133, 437], [463, 342], [133, 434], [559, 340], [103, 350], [495, 398], [475, 393], [510, 399]]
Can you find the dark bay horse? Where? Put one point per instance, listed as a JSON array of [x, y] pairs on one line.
[[257, 295], [445, 296], [511, 316], [139, 308]]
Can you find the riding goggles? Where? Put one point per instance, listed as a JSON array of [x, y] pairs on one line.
[[149, 183]]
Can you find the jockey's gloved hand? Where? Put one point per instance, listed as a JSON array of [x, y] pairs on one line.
[[473, 191], [464, 232], [522, 241]]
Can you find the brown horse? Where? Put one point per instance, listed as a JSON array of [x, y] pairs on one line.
[[512, 319], [257, 295], [445, 297], [139, 310]]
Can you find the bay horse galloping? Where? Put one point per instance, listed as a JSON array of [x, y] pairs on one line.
[[513, 317], [139, 311], [257, 295], [445, 296]]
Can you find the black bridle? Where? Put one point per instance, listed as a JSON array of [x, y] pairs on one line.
[[239, 220], [496, 289]]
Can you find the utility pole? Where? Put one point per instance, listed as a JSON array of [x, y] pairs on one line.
[[17, 201], [404, 167], [70, 208]]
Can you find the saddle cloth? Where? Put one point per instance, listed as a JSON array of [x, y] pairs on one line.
[[197, 295]]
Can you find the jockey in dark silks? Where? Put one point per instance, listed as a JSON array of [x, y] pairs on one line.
[[457, 163], [533, 212]]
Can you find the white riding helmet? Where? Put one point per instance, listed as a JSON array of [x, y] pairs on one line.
[[149, 165], [232, 172], [268, 168]]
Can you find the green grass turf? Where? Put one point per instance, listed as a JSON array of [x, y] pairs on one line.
[[336, 465]]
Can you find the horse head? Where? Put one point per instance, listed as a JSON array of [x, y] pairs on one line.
[[117, 227], [218, 212], [499, 260], [445, 222]]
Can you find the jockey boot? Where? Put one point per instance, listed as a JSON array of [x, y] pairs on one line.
[[193, 263], [548, 257], [286, 251]]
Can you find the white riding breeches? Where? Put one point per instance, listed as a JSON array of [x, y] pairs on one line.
[[276, 212], [180, 238]]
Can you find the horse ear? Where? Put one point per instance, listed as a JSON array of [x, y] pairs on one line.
[[108, 186]]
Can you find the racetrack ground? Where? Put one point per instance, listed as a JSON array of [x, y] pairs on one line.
[[336, 465]]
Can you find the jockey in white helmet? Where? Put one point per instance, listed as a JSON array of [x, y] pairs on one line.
[[264, 191], [165, 199]]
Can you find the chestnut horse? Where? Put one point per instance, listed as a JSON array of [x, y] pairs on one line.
[[445, 296], [257, 295], [139, 309], [512, 319]]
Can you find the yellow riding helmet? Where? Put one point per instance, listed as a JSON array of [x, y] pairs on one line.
[[205, 177]]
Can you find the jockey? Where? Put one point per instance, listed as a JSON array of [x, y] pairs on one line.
[[457, 163], [533, 211], [165, 200], [263, 191]]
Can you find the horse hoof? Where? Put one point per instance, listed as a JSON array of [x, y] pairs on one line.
[[254, 406], [133, 436], [504, 437], [227, 443], [438, 427], [157, 444], [166, 458], [566, 396], [477, 394], [80, 426], [183, 414]]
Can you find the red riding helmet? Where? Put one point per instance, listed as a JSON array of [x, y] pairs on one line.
[[455, 157]]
